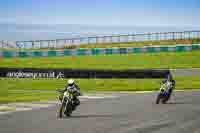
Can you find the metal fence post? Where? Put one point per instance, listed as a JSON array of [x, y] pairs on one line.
[[65, 42], [88, 40], [189, 35], [1, 44], [56, 43], [32, 44], [149, 36], [157, 36], [198, 34], [119, 38], [181, 35], [103, 39], [173, 36], [111, 39], [40, 44], [97, 40], [48, 44], [72, 41]]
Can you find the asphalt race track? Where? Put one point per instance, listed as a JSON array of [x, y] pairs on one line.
[[128, 113]]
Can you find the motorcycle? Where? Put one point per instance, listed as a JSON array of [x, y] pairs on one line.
[[67, 105], [165, 92]]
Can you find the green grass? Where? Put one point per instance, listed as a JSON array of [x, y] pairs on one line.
[[18, 90], [15, 96], [124, 61]]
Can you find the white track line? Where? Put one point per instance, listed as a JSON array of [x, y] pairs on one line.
[[38, 105], [96, 97]]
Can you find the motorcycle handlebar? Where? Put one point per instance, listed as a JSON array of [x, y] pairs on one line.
[[59, 90]]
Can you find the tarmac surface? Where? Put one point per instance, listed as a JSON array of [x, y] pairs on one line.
[[186, 72], [124, 113]]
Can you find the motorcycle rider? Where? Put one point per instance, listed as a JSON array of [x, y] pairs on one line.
[[169, 82], [73, 88]]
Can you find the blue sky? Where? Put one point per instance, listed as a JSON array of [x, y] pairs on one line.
[[102, 12]]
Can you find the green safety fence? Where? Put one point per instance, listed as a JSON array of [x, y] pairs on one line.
[[97, 51]]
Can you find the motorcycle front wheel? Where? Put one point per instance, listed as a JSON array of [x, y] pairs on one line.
[[68, 110], [158, 99], [61, 110]]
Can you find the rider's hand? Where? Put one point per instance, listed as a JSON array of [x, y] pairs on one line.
[[59, 90], [80, 94]]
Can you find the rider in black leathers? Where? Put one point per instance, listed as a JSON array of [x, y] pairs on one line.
[[72, 87]]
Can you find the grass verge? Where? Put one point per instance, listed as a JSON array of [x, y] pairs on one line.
[[24, 90], [124, 61]]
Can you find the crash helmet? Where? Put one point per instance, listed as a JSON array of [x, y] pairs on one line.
[[70, 82]]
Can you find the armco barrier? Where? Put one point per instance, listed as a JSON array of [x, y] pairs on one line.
[[81, 73], [97, 51]]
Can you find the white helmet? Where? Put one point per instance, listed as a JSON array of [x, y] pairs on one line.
[[70, 82]]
